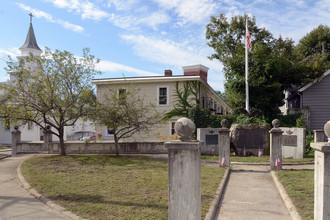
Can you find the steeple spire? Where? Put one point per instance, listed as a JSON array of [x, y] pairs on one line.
[[30, 45], [31, 18]]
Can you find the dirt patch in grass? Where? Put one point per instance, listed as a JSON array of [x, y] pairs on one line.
[[106, 187], [300, 186]]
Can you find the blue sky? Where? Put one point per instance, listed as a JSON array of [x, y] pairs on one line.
[[145, 37]]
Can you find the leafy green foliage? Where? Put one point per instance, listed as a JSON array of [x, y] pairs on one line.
[[124, 112], [186, 99], [53, 89], [245, 120], [314, 53], [201, 117], [274, 64], [290, 120], [215, 120]]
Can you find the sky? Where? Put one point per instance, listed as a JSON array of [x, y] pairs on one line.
[[145, 37]]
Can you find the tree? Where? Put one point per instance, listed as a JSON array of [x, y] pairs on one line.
[[49, 90], [314, 53], [124, 112], [186, 99], [271, 63]]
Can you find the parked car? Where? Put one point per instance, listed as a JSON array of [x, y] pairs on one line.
[[84, 138], [90, 138]]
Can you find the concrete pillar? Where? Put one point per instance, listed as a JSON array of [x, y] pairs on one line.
[[15, 138], [319, 136], [224, 144], [48, 139], [184, 174], [321, 180], [322, 177], [275, 145]]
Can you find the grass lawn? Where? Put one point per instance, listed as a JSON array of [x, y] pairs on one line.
[[5, 147], [106, 187], [263, 159], [300, 186]]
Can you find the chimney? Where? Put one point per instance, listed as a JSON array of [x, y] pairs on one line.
[[196, 70], [168, 72]]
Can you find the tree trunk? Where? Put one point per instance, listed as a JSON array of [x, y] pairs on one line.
[[62, 147], [116, 145]]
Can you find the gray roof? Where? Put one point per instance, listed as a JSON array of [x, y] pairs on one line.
[[315, 81], [30, 41]]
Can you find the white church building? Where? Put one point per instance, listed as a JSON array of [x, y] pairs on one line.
[[31, 131]]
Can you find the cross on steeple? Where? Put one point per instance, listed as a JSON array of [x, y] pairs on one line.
[[31, 18]]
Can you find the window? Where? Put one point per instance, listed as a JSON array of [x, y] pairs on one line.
[[122, 96], [172, 127], [30, 125], [162, 96], [110, 131]]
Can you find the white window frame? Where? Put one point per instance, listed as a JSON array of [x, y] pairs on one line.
[[167, 95]]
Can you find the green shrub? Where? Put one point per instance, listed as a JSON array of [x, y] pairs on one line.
[[215, 120], [291, 120], [245, 120]]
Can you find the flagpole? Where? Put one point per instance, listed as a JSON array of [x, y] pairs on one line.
[[246, 71]]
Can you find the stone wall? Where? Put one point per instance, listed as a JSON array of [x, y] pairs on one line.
[[293, 142], [104, 147]]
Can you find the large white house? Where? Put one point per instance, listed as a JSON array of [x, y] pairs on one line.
[[160, 90]]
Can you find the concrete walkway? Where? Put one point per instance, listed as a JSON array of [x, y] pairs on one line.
[[252, 194], [15, 202]]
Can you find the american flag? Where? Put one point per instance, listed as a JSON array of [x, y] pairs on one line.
[[248, 39], [277, 162], [260, 153], [223, 160]]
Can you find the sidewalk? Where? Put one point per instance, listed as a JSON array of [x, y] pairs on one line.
[[252, 194], [15, 202]]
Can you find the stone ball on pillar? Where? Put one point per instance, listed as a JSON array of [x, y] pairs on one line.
[[48, 127], [184, 127], [16, 128], [276, 123], [224, 123], [327, 130]]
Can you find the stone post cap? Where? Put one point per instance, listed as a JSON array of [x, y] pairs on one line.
[[276, 126], [184, 127], [276, 123], [16, 130], [224, 123], [327, 130]]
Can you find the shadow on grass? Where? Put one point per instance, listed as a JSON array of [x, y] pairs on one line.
[[100, 199]]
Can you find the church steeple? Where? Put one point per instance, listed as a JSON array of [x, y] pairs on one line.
[[30, 45]]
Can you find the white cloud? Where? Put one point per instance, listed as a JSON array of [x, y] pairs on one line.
[[13, 52], [109, 66], [169, 52], [152, 20], [87, 9], [122, 5], [41, 14], [195, 11]]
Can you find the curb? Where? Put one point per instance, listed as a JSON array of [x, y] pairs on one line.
[[287, 201], [210, 215], [4, 157], [267, 164], [55, 207]]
